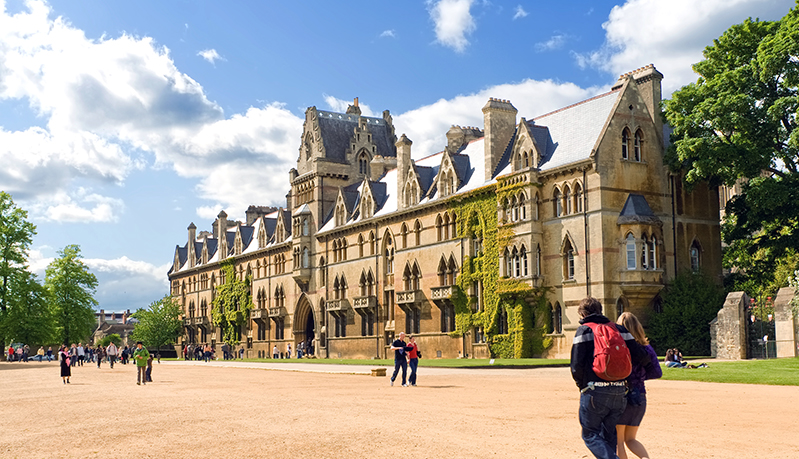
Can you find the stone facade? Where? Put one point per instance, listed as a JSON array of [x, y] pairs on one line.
[[367, 244], [786, 325], [728, 337]]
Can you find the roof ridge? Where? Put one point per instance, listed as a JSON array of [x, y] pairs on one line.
[[576, 104]]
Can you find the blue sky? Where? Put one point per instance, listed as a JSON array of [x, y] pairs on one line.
[[122, 122]]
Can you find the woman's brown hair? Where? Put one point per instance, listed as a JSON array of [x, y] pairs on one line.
[[631, 323]]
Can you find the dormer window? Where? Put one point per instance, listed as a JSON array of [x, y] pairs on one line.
[[637, 146], [625, 140]]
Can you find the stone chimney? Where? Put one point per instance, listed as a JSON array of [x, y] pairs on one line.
[[354, 109], [101, 317], [499, 122], [221, 228], [455, 139], [403, 163], [192, 237]]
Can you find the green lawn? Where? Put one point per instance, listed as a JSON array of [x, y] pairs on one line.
[[445, 363], [778, 372]]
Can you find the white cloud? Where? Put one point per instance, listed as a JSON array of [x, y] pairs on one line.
[[453, 22], [671, 34], [519, 13], [210, 55], [80, 207], [426, 126], [555, 42], [388, 33], [111, 103]]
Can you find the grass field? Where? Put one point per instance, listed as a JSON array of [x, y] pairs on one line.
[[777, 372]]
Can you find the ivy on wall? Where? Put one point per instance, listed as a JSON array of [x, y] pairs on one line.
[[232, 303], [526, 307]]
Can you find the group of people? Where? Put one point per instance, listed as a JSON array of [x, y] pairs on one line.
[[204, 352], [71, 356], [405, 354], [611, 411]]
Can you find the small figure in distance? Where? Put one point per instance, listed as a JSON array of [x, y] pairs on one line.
[[140, 356], [66, 371]]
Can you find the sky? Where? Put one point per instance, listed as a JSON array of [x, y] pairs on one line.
[[123, 122]]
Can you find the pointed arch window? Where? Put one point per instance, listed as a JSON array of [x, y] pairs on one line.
[[523, 262], [306, 258], [653, 251], [568, 261], [578, 198], [557, 203], [567, 201], [625, 141], [363, 163], [630, 243], [502, 321], [439, 228], [557, 319], [637, 146], [404, 235], [696, 256], [525, 160], [644, 252], [417, 229], [522, 206]]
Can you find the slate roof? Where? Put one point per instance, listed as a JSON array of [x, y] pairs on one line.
[[637, 210], [337, 130], [575, 129], [461, 164]]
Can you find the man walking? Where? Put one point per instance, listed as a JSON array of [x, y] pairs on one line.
[[400, 347], [601, 401], [112, 352], [140, 356]]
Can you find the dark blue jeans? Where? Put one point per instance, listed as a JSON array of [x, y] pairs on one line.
[[397, 364], [412, 378], [599, 410]]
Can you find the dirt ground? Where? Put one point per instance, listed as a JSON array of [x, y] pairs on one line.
[[211, 411]]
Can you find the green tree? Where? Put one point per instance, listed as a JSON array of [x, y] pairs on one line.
[[689, 304], [28, 318], [16, 236], [109, 338], [737, 124], [160, 324], [71, 289]]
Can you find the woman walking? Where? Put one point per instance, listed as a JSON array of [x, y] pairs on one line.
[[65, 370], [630, 420]]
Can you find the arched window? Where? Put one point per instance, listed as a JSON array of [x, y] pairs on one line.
[[439, 229], [442, 272], [404, 235], [644, 252], [517, 163], [653, 250], [578, 198], [360, 245], [389, 256], [363, 163], [514, 255], [502, 321], [371, 243], [557, 203], [445, 224], [567, 200], [523, 262], [452, 271], [522, 207], [306, 261], [536, 208], [453, 223], [417, 229], [557, 319], [525, 160], [305, 227], [416, 274], [696, 256], [514, 209], [625, 140], [568, 261], [508, 263], [538, 261], [619, 307], [637, 148], [630, 243]]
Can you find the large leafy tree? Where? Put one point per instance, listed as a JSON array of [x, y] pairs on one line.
[[16, 236], [71, 287], [737, 124], [28, 318], [160, 323]]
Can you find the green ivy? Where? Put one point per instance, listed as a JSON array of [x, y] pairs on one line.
[[232, 303], [477, 218]]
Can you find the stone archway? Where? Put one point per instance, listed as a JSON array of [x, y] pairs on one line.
[[305, 325]]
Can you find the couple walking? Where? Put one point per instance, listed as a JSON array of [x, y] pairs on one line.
[[405, 354]]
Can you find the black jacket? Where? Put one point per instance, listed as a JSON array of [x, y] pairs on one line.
[[582, 358]]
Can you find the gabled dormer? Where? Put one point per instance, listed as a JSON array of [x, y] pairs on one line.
[[366, 206], [340, 213], [205, 252], [526, 152], [281, 232], [449, 178]]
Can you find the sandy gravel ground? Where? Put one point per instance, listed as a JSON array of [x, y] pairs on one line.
[[216, 411]]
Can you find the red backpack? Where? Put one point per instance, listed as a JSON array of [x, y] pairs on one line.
[[611, 357]]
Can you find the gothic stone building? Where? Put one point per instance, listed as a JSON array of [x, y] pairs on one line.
[[368, 245]]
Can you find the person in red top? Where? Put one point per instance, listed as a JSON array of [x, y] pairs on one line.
[[10, 353], [413, 359]]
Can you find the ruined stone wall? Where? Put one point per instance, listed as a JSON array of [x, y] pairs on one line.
[[786, 324], [728, 330]]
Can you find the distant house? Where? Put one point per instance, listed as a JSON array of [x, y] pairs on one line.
[[114, 322]]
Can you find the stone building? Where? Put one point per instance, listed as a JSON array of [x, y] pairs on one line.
[[372, 242]]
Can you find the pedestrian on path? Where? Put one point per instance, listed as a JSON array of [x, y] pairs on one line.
[[413, 359], [400, 361], [66, 372], [112, 352], [140, 356]]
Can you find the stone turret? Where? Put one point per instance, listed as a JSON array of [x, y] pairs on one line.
[[403, 163], [499, 120], [192, 237]]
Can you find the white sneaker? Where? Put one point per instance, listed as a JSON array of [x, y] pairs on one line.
[[404, 385], [392, 382]]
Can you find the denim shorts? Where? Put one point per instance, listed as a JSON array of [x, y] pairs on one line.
[[633, 414]]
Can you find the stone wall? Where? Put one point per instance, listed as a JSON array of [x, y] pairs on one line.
[[728, 329], [786, 324]]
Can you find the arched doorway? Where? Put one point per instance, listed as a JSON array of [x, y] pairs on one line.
[[305, 327]]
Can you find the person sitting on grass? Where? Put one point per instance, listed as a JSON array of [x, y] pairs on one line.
[[672, 360]]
